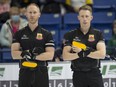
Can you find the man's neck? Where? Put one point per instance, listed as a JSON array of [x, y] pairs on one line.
[[33, 26], [85, 29]]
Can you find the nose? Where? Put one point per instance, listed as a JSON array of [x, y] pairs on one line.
[[32, 14], [84, 18]]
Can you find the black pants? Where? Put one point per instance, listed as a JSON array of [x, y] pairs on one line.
[[34, 77], [92, 78]]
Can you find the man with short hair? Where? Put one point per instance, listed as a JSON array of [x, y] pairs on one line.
[[34, 46], [85, 47]]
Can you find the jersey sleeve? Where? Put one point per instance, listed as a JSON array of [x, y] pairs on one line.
[[49, 41], [66, 40]]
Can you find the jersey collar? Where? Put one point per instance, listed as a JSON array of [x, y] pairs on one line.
[[38, 28], [90, 29]]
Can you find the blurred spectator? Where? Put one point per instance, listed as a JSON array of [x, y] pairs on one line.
[[52, 6], [76, 4], [111, 46], [4, 6], [89, 2], [24, 3], [4, 10], [22, 10], [112, 41], [4, 17], [11, 26], [15, 1]]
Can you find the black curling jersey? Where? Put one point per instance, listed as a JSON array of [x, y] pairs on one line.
[[90, 39], [30, 39]]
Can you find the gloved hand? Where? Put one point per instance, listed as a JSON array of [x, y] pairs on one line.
[[37, 50], [86, 52], [26, 55], [80, 54]]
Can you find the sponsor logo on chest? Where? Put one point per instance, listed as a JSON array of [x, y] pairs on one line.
[[24, 37]]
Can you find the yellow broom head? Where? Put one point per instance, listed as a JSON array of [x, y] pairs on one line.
[[29, 64], [79, 45]]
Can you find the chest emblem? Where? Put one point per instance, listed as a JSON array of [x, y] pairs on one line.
[[39, 36], [91, 38]]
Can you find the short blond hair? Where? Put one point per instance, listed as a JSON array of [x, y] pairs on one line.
[[85, 7]]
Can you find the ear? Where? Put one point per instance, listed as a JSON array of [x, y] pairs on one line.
[[78, 17], [39, 15], [91, 17]]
